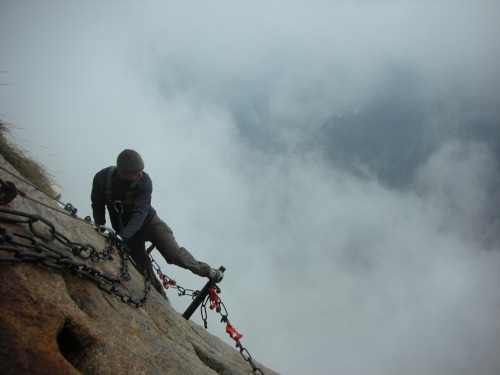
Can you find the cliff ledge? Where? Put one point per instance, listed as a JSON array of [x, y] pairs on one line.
[[63, 314]]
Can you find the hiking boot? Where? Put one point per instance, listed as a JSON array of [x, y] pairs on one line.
[[216, 275]]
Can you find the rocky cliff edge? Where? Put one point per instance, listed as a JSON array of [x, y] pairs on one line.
[[61, 314]]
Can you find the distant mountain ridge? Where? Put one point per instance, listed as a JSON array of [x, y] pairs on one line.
[[393, 139]]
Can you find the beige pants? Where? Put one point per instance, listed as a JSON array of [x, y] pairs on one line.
[[159, 234]]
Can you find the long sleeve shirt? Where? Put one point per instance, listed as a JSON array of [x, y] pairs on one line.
[[134, 215]]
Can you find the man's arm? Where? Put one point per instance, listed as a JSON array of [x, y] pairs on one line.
[[140, 209], [98, 199]]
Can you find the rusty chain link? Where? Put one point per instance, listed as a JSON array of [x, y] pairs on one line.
[[27, 249]]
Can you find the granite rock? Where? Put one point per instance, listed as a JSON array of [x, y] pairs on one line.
[[54, 321]]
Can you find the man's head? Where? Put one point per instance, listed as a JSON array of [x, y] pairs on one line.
[[130, 165]]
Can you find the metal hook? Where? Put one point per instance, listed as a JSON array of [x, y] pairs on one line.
[[118, 206], [104, 231]]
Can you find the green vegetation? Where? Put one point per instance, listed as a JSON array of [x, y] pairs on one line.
[[28, 168]]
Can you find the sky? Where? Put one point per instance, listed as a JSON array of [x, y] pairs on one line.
[[238, 110]]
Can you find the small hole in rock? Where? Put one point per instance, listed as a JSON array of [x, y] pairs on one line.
[[71, 344]]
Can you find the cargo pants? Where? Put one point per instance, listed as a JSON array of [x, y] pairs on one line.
[[159, 234]]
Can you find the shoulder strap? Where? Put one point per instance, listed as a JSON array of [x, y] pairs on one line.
[[109, 180], [108, 191]]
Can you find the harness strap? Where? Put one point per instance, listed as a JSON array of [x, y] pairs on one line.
[[108, 190]]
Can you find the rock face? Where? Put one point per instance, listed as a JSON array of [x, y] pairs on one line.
[[54, 321]]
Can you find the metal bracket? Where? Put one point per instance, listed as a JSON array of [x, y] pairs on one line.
[[199, 298]]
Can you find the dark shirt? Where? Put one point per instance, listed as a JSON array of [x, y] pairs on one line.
[[135, 215]]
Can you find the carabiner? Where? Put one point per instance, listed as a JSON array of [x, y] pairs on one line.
[[118, 206], [69, 207], [103, 229]]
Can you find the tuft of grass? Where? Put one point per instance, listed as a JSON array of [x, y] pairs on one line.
[[28, 168]]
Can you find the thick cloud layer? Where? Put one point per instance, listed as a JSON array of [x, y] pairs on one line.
[[339, 158]]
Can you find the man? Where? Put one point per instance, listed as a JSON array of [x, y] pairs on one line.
[[125, 190]]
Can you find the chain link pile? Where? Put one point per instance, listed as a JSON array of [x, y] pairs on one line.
[[28, 249]]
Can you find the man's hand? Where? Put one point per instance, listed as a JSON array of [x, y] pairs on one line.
[[120, 242], [113, 237]]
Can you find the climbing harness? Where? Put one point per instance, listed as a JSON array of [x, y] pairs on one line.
[[118, 207], [24, 248], [108, 190]]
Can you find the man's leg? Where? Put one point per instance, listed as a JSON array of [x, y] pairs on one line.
[[138, 251], [141, 258], [160, 234]]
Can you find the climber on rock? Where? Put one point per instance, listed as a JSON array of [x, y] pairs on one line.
[[125, 190]]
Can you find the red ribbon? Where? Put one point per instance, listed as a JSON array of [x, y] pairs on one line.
[[232, 332], [166, 280], [214, 298]]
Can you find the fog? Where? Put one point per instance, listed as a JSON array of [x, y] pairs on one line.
[[331, 268]]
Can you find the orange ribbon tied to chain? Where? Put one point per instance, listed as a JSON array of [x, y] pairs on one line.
[[214, 298], [232, 332]]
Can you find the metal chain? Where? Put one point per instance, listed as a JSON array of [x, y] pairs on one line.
[[247, 357], [51, 257], [169, 282], [10, 190], [215, 303], [27, 249]]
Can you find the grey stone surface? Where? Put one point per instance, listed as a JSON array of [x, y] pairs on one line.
[[55, 322]]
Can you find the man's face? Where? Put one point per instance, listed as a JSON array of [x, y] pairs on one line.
[[133, 177]]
